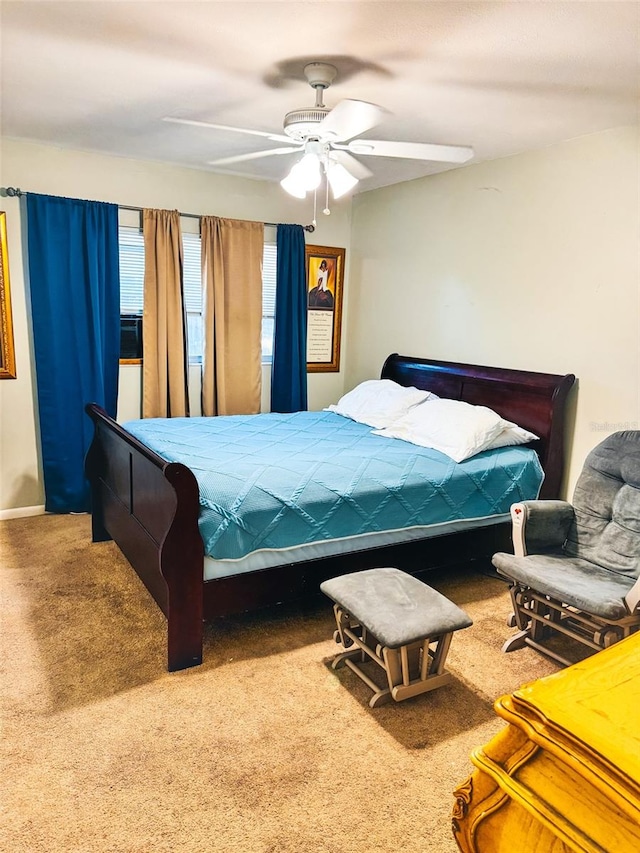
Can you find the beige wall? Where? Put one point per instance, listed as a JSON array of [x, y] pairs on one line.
[[55, 171], [529, 262]]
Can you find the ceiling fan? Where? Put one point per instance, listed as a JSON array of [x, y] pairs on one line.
[[328, 139]]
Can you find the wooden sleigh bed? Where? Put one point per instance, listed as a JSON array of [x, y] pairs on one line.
[[150, 507]]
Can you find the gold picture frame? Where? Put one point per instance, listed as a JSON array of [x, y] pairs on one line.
[[325, 280], [7, 351]]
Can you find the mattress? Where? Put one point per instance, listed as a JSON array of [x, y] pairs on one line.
[[308, 482]]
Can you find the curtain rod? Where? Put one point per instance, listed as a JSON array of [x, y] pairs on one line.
[[16, 192]]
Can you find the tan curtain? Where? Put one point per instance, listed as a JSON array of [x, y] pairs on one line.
[[232, 277], [164, 337]]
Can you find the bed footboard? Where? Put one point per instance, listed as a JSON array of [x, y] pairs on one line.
[[150, 508]]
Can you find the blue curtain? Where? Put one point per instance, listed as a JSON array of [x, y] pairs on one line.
[[75, 306], [289, 368]]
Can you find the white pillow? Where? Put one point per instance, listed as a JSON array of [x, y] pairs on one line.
[[453, 427], [512, 435], [379, 402]]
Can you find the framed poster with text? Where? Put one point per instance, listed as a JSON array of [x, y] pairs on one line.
[[7, 351], [325, 278]]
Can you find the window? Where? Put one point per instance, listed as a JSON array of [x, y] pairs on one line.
[[269, 259], [193, 295], [131, 286], [131, 243]]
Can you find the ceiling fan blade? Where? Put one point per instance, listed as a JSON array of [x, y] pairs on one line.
[[350, 118], [412, 150], [355, 167], [253, 155], [275, 137]]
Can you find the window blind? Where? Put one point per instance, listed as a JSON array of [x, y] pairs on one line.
[[131, 269], [269, 264], [131, 242]]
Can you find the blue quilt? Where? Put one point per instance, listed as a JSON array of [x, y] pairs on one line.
[[280, 480]]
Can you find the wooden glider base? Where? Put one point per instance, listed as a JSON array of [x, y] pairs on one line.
[[539, 617], [410, 670]]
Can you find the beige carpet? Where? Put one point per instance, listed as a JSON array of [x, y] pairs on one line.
[[262, 749]]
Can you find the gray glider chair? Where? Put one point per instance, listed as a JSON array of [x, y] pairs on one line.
[[576, 567]]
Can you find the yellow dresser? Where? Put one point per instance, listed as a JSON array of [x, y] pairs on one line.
[[565, 773]]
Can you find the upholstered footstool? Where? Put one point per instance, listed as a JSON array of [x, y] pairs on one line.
[[400, 623]]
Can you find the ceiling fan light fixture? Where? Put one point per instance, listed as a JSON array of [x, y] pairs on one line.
[[291, 185], [340, 180], [304, 176], [308, 171]]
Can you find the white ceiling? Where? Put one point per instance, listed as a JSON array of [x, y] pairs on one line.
[[503, 77]]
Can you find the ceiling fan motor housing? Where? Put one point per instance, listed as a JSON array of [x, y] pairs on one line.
[[300, 124]]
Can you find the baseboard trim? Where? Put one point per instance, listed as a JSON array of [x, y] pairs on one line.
[[21, 512]]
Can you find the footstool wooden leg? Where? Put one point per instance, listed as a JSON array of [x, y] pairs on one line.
[[425, 665], [440, 654], [342, 621], [393, 667]]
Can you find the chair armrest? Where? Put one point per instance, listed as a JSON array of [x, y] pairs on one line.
[[632, 598], [540, 525]]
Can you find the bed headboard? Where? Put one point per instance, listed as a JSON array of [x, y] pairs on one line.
[[535, 401]]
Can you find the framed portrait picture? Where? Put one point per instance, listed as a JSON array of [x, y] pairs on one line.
[[7, 352], [325, 278]]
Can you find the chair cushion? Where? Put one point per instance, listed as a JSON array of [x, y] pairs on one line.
[[606, 526], [571, 580]]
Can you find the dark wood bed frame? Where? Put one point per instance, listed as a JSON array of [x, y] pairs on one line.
[[150, 506]]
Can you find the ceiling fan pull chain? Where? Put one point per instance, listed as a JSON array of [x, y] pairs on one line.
[[326, 210], [315, 199]]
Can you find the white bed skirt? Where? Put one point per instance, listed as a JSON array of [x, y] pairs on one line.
[[269, 557]]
